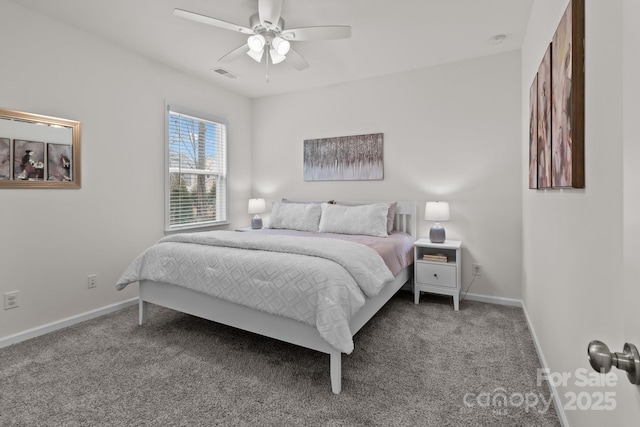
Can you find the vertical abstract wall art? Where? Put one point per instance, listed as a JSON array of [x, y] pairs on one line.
[[59, 162], [29, 160], [344, 158], [5, 159], [567, 110], [533, 134], [544, 121], [558, 107]]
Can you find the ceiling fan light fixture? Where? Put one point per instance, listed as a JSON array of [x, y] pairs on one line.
[[281, 45], [267, 37], [276, 58], [256, 56], [256, 43]]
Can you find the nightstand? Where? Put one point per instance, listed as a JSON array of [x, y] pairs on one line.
[[437, 269]]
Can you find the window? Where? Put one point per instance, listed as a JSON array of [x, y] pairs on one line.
[[196, 178]]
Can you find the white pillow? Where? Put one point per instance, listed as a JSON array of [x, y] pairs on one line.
[[369, 220], [295, 216]]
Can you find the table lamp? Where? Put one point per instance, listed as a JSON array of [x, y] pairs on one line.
[[436, 211], [256, 207]]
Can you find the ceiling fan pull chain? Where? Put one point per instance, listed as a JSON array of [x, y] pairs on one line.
[[267, 71]]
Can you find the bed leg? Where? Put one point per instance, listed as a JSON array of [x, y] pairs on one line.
[[142, 311], [336, 372]]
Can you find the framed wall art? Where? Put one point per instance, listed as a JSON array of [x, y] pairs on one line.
[[344, 158], [567, 102], [59, 164], [558, 108], [28, 163], [38, 151], [544, 121], [533, 134], [5, 159]]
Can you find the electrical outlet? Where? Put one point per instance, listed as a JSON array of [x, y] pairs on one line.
[[477, 269], [11, 300], [92, 281]]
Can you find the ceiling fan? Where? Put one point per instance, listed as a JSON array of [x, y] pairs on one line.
[[267, 33]]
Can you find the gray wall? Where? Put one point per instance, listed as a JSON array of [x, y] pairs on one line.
[[52, 240], [574, 240], [450, 133]]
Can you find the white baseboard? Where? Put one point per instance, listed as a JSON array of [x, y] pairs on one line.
[[493, 300], [556, 397], [54, 326]]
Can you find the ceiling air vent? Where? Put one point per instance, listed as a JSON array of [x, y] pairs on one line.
[[225, 73]]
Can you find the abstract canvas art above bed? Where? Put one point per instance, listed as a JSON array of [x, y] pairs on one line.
[[344, 158]]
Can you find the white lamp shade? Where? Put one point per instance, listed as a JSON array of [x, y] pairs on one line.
[[436, 211], [257, 56], [257, 206], [281, 45], [276, 58], [256, 42]]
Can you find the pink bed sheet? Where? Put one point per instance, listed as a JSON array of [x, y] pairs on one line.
[[396, 250]]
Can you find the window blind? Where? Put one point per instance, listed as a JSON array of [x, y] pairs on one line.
[[197, 171]]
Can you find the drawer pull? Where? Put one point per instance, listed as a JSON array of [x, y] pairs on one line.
[[435, 275]]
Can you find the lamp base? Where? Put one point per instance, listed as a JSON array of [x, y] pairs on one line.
[[436, 234], [256, 222]]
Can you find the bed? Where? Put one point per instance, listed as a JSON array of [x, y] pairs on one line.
[[156, 289]]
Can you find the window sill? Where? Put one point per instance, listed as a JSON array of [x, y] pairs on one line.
[[198, 227]]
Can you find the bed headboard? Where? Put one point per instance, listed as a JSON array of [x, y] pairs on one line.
[[405, 218]]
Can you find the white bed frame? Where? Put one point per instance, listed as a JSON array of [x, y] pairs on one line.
[[281, 328]]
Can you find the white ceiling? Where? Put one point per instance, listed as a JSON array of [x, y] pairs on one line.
[[388, 36]]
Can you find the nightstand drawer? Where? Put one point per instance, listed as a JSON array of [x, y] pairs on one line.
[[438, 275]]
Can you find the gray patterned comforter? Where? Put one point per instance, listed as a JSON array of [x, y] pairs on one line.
[[321, 282]]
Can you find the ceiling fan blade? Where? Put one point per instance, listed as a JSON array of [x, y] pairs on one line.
[[212, 21], [331, 32], [269, 12], [235, 54], [296, 60]]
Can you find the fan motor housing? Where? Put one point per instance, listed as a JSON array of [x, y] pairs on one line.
[[256, 25]]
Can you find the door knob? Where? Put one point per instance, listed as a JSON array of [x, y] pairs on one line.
[[601, 359]]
